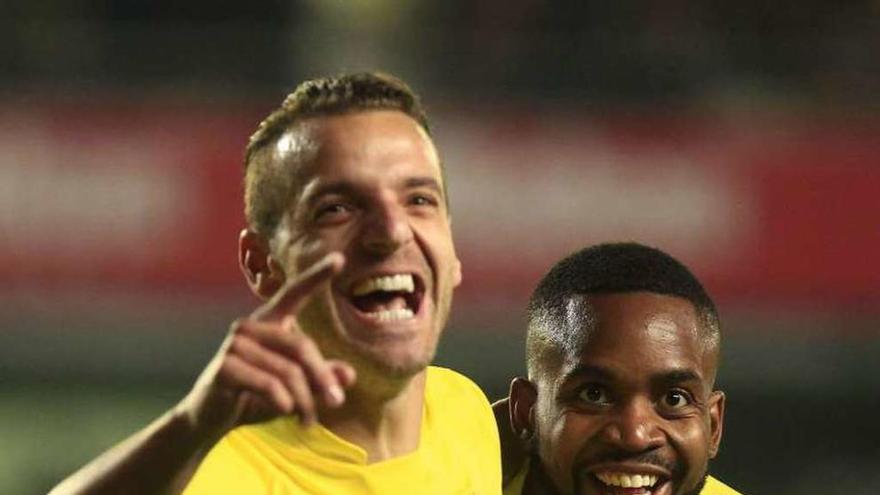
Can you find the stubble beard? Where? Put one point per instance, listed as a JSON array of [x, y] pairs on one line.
[[376, 369], [700, 485]]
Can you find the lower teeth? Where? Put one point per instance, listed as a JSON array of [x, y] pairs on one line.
[[394, 314]]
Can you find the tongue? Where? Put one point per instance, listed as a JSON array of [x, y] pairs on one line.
[[380, 301]]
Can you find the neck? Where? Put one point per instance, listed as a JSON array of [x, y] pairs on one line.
[[537, 482], [384, 419]]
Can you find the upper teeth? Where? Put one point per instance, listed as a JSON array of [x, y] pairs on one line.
[[627, 480], [401, 282]]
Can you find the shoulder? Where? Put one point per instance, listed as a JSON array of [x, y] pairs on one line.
[[456, 404], [715, 487], [462, 426], [515, 485], [451, 384], [232, 464], [458, 400]]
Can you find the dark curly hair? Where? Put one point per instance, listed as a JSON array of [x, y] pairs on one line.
[[607, 269]]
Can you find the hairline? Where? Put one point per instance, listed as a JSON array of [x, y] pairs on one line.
[[537, 367], [264, 148]]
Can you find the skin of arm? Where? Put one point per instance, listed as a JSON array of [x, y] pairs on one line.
[[265, 367], [161, 458]]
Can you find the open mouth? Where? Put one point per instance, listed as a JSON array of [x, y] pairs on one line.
[[619, 483], [394, 297]]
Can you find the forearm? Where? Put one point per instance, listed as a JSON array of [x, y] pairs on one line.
[[266, 367], [160, 459]]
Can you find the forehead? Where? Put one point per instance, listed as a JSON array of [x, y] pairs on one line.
[[634, 335], [368, 144]]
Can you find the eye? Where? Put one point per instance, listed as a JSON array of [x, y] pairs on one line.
[[594, 394], [331, 211], [420, 199], [675, 399]]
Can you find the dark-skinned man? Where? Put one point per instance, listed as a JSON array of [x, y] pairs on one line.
[[622, 351]]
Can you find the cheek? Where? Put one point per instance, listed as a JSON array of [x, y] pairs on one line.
[[436, 243], [691, 439], [563, 444], [456, 273], [305, 254], [451, 258], [566, 437], [306, 250], [446, 256]]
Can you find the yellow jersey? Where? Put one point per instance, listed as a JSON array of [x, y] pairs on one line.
[[458, 453]]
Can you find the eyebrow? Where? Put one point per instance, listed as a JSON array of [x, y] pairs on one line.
[[344, 188], [428, 182], [588, 372], [680, 375], [599, 373]]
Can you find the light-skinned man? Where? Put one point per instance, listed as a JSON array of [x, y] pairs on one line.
[[326, 387]]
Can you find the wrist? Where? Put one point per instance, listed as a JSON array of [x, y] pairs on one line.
[[192, 430]]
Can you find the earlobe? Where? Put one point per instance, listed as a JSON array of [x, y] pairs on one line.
[[716, 421], [456, 273], [263, 274], [523, 396], [518, 434]]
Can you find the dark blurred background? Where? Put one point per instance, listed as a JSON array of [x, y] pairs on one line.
[[742, 137]]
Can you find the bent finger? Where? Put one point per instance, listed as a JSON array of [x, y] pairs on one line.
[[289, 346], [296, 291], [240, 375], [302, 349], [289, 372], [345, 373]]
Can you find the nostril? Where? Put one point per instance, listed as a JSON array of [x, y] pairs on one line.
[[387, 235], [382, 245]]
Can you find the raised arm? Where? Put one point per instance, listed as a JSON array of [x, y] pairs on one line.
[[265, 367]]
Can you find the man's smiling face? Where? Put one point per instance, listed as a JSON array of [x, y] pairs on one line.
[[632, 412], [368, 184]]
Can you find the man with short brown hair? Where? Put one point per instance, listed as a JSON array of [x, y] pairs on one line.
[[327, 387]]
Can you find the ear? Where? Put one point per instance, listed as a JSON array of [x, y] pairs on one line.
[[456, 273], [716, 421], [514, 417], [523, 396], [456, 266], [513, 449], [263, 273]]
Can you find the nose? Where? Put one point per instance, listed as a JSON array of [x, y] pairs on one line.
[[634, 427], [386, 229]]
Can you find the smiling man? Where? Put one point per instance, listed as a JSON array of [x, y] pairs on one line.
[[327, 387], [622, 350]]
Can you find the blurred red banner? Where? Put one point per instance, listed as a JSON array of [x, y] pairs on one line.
[[766, 209]]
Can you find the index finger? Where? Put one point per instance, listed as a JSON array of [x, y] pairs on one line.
[[295, 291]]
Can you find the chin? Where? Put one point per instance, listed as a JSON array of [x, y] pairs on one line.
[[696, 490], [377, 351], [391, 362]]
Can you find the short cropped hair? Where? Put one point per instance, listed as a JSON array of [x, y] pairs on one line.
[[267, 188], [608, 269]]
